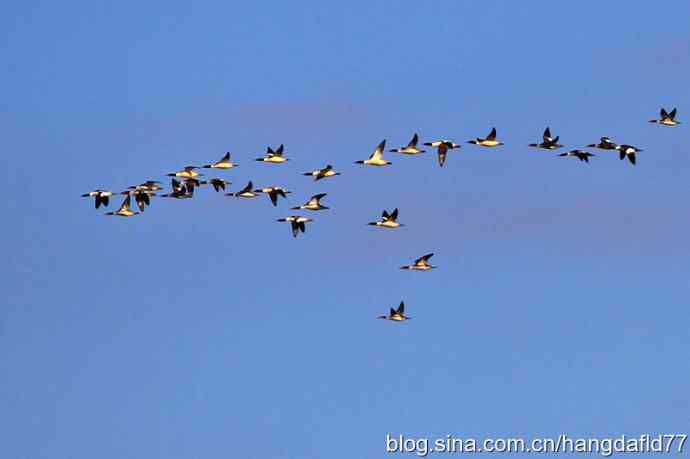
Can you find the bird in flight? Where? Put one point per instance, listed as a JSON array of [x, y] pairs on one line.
[[388, 220], [579, 154], [420, 264], [411, 148], [667, 118], [604, 144], [314, 203], [488, 141], [296, 222], [548, 142], [102, 197], [376, 158], [318, 174], [396, 315], [125, 209], [223, 163], [275, 157], [245, 192], [629, 151], [273, 192], [442, 147]]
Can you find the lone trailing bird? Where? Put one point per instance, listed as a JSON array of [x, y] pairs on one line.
[[548, 142], [376, 158], [442, 147], [396, 315], [629, 151], [579, 154], [245, 192], [314, 203], [187, 172], [604, 144], [318, 174], [100, 196], [218, 184], [223, 163], [411, 148], [296, 222], [667, 119], [420, 264], [488, 141], [273, 192], [125, 209], [275, 157], [388, 220]]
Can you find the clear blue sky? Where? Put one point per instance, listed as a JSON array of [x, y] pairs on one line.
[[202, 329]]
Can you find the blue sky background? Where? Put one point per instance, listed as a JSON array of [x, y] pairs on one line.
[[202, 329]]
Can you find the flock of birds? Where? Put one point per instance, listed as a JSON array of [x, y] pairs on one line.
[[186, 180]]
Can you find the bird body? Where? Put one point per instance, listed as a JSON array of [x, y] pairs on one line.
[[376, 158], [629, 152], [274, 157], [579, 154], [101, 197], [604, 144], [245, 192], [273, 192], [411, 148], [125, 209], [314, 203], [318, 174], [442, 147], [488, 141], [548, 142], [396, 315], [388, 220], [223, 163], [667, 118], [420, 264], [297, 223], [187, 172]]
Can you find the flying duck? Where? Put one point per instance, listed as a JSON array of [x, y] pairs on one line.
[[397, 315], [245, 192], [442, 147], [100, 196], [141, 197], [149, 185], [192, 183], [179, 191], [420, 264], [388, 220], [548, 143], [124, 210], [604, 144], [579, 154], [296, 222], [489, 141], [667, 119], [273, 193], [187, 172], [629, 151], [411, 148], [218, 184], [318, 174], [274, 156], [376, 158], [314, 203], [223, 163]]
